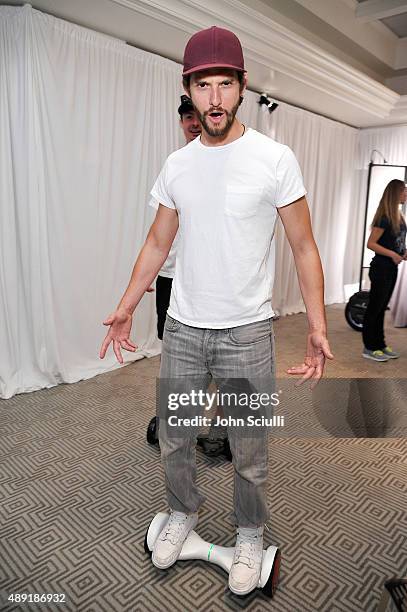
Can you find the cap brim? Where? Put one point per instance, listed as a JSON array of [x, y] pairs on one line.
[[183, 110], [207, 66]]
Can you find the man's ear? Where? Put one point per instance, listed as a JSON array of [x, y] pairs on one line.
[[243, 86]]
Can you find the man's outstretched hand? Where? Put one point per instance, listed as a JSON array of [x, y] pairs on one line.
[[313, 367], [119, 333]]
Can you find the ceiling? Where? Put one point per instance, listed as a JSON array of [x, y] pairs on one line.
[[317, 54], [397, 24], [392, 14]]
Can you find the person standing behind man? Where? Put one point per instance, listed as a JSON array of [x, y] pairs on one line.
[[191, 127]]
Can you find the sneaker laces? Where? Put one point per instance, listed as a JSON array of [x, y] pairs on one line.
[[173, 528], [246, 547], [378, 353]]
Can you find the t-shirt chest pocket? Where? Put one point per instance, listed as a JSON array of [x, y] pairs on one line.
[[242, 201]]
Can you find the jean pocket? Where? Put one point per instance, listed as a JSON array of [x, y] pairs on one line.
[[242, 201], [244, 335], [171, 325]]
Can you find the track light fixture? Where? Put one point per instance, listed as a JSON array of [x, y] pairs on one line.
[[268, 101]]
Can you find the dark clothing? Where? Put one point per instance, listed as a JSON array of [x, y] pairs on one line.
[[383, 276], [162, 301], [390, 240], [383, 279]]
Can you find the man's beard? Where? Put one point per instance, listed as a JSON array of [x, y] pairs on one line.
[[214, 130]]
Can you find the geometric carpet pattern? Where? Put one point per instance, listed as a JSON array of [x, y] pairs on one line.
[[79, 485]]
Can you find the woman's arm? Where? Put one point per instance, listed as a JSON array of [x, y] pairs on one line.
[[373, 245]]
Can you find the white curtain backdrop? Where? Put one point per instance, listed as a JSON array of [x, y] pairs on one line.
[[390, 141], [86, 122], [82, 137]]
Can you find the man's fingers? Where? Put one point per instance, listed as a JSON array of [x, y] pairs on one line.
[[307, 376], [314, 383], [104, 347], [319, 370], [127, 346], [327, 351], [298, 369], [117, 352]]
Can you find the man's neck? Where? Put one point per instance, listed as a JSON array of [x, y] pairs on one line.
[[235, 132]]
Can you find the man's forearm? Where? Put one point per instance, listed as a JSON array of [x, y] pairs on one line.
[[146, 268], [311, 280]]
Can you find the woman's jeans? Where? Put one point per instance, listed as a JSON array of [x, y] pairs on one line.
[[383, 278], [237, 359]]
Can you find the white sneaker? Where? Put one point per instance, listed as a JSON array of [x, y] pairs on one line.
[[244, 574], [168, 545]]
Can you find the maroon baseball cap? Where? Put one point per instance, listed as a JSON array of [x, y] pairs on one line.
[[213, 48]]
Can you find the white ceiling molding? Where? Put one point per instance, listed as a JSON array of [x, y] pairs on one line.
[[274, 46], [377, 9], [168, 13], [399, 112]]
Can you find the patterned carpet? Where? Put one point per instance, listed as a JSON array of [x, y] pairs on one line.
[[79, 486]]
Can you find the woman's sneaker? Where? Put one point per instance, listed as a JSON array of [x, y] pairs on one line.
[[375, 355], [390, 353], [244, 574], [168, 545]]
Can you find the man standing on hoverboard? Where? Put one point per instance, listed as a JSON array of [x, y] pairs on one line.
[[224, 190]]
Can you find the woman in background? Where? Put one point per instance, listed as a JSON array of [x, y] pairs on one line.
[[388, 241]]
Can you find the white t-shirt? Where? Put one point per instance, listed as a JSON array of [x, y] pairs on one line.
[[226, 198], [168, 268]]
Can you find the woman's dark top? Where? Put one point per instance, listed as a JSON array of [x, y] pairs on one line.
[[390, 240]]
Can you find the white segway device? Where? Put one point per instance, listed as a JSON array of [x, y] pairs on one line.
[[196, 548]]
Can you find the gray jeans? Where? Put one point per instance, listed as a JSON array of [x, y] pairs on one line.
[[191, 358]]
